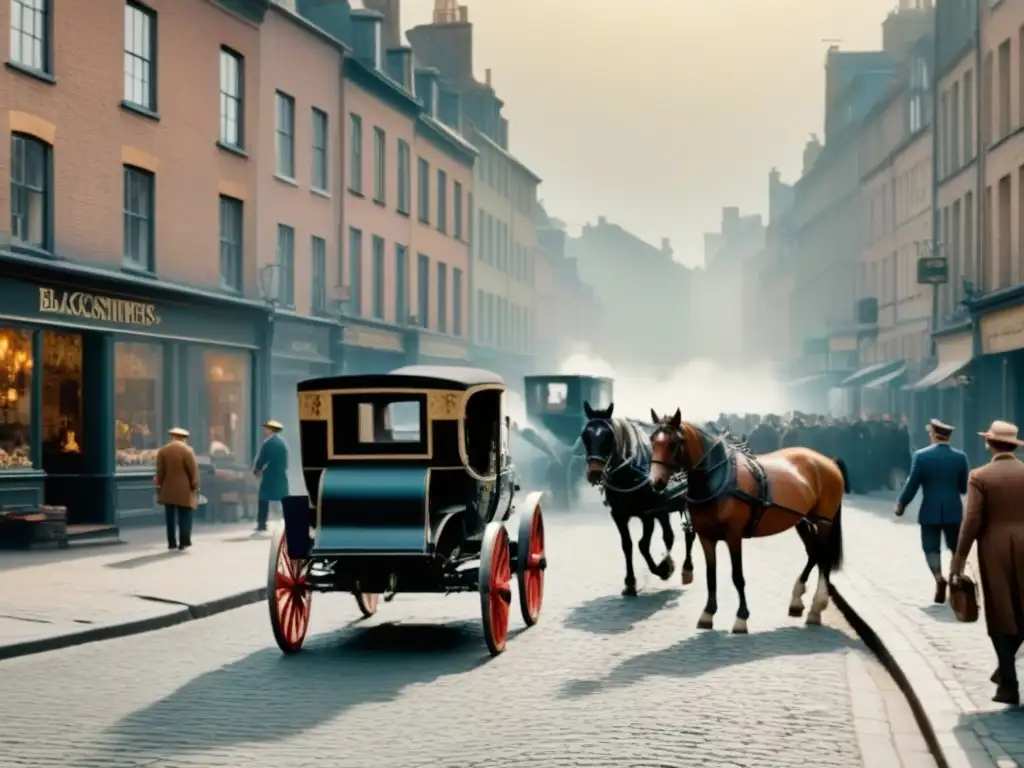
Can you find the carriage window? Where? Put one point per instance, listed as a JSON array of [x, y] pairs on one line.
[[482, 426], [389, 422], [558, 395]]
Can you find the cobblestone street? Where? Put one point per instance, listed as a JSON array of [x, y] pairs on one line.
[[602, 680], [886, 568]]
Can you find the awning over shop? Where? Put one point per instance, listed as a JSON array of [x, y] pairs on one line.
[[870, 373], [803, 381], [940, 374], [887, 379]]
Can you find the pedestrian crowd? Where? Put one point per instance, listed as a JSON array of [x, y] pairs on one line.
[[877, 453], [876, 450]]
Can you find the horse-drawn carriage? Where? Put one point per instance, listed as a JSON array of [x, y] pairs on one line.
[[554, 408], [410, 489]]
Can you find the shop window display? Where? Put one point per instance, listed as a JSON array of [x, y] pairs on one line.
[[15, 399], [62, 398], [138, 401], [227, 397]]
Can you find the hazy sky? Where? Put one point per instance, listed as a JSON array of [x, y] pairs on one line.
[[656, 113]]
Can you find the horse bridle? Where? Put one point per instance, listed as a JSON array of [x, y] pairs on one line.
[[606, 472], [675, 465]]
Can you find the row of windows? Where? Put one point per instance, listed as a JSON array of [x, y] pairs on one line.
[[432, 285], [957, 111], [497, 247], [32, 202], [30, 47], [957, 227], [503, 324], [285, 258], [898, 201], [494, 169], [404, 176]]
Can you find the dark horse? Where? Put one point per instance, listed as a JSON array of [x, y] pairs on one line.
[[733, 495], [619, 461]]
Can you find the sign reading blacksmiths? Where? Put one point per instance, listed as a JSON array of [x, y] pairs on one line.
[[932, 270], [89, 306]]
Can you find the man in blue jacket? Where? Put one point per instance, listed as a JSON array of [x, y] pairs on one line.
[[940, 471], [272, 470]]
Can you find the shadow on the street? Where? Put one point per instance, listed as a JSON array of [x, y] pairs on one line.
[[266, 696], [1004, 726], [710, 651], [940, 613], [141, 560], [615, 614]]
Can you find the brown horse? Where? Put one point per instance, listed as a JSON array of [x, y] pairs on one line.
[[733, 495]]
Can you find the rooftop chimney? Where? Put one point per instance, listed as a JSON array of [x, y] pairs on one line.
[[449, 108], [392, 13], [446, 44], [400, 66], [503, 133], [367, 45], [487, 77], [426, 89]]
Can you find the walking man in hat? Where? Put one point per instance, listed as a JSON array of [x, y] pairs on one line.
[[940, 472], [272, 470], [995, 519], [177, 487]]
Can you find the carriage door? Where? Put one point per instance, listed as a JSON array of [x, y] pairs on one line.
[[483, 449]]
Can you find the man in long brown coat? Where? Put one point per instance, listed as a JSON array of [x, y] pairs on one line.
[[995, 519], [177, 483]]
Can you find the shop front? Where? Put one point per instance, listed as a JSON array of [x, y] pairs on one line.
[[301, 350], [999, 373], [365, 348], [94, 370], [434, 349], [944, 392]]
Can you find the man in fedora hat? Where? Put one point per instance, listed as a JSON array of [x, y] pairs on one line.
[[177, 484], [272, 470], [940, 472], [995, 520]]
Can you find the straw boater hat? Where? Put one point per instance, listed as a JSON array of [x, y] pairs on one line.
[[274, 425], [1002, 432], [177, 432], [940, 428]]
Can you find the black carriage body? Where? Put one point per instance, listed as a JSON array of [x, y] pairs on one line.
[[403, 471], [556, 402]]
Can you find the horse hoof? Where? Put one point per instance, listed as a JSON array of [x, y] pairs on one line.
[[705, 622], [813, 619], [687, 577], [666, 568], [796, 611], [629, 591], [740, 627]]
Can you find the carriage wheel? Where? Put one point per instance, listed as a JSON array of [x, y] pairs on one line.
[[531, 560], [289, 595], [495, 581], [367, 602]]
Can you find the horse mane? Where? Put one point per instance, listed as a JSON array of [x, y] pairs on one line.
[[628, 437]]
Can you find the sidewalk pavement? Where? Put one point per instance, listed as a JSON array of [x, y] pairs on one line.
[[944, 666], [56, 604]]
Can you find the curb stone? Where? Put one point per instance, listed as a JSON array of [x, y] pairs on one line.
[[136, 627], [936, 709]]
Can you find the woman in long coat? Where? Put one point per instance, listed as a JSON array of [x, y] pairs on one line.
[[995, 519]]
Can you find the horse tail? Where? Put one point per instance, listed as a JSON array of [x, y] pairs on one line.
[[834, 544], [846, 473]]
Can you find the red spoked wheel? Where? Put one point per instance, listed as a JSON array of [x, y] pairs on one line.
[[367, 602], [495, 586], [531, 560], [289, 594]]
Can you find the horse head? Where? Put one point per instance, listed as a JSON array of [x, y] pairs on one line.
[[674, 448], [600, 441]]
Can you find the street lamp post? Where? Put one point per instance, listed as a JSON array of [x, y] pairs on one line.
[[270, 292]]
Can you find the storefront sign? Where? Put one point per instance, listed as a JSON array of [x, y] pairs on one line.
[[443, 349], [373, 338], [1002, 331], [954, 349], [89, 306], [311, 341], [843, 344]]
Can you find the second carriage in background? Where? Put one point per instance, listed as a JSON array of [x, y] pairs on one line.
[[410, 489]]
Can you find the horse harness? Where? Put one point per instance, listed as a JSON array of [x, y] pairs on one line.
[[716, 476]]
